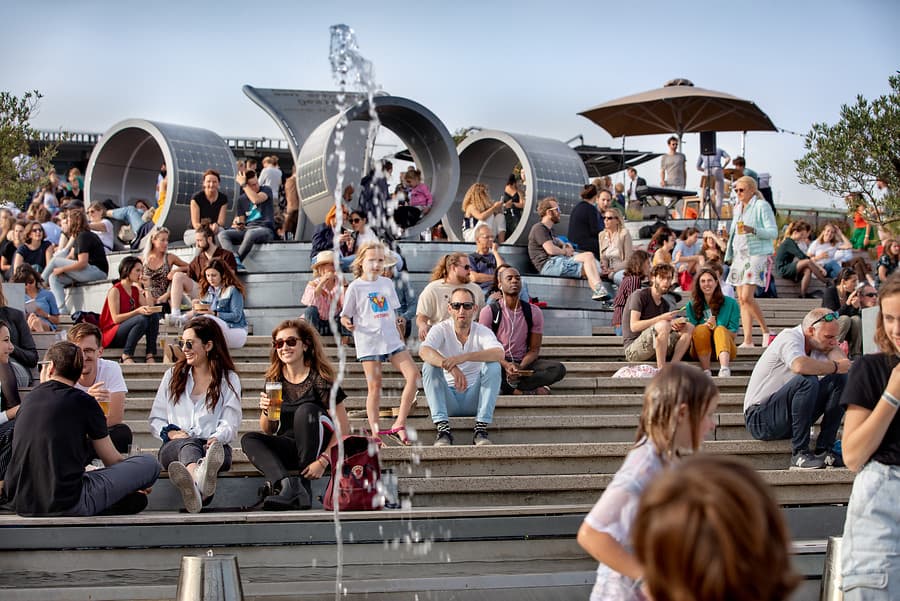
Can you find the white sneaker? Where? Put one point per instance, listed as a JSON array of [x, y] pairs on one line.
[[725, 372], [177, 321], [708, 372], [207, 473], [183, 482], [767, 338]]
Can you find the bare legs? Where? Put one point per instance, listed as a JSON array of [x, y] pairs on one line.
[[589, 264], [749, 311]]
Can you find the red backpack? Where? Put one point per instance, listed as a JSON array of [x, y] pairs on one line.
[[358, 478]]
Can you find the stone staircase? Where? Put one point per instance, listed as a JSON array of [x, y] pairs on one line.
[[493, 521]]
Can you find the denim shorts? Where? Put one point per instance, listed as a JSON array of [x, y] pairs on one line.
[[870, 550], [562, 267], [382, 358]]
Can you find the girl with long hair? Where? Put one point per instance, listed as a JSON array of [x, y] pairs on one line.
[[478, 209], [197, 413], [128, 313], [9, 401], [716, 319], [679, 411], [40, 306], [888, 261], [513, 203], [300, 439], [85, 262], [370, 312], [222, 300], [615, 245], [665, 245], [636, 271], [792, 262], [36, 250], [825, 249], [870, 553]]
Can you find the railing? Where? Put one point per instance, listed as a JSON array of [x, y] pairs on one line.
[[235, 143]]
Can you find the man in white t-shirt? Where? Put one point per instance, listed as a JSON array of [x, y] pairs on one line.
[[102, 380], [461, 370], [432, 304], [798, 379]]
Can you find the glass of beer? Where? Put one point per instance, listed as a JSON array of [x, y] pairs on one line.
[[273, 391], [105, 406], [740, 227]]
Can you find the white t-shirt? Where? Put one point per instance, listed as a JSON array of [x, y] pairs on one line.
[[109, 373], [106, 236], [442, 338], [773, 370], [373, 307]]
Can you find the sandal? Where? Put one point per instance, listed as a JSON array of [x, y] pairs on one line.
[[126, 359], [150, 359], [397, 435]]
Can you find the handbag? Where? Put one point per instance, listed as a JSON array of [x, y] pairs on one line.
[[357, 479]]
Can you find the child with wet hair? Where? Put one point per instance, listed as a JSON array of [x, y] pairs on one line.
[[709, 529], [679, 411]]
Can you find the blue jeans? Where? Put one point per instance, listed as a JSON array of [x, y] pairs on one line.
[[132, 215], [229, 239], [832, 269], [58, 283], [479, 398], [794, 408], [101, 489], [870, 551]]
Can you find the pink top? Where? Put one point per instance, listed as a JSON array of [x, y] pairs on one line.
[[322, 302], [420, 196]]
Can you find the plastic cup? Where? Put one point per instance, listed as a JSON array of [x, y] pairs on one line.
[[104, 405], [740, 228]]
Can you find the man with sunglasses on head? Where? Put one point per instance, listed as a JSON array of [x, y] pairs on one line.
[[798, 379], [461, 370], [553, 258], [452, 271]]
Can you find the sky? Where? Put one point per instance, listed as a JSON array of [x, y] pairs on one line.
[[522, 67]]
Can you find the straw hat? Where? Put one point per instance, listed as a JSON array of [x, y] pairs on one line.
[[326, 256]]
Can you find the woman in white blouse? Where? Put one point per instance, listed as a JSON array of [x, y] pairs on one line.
[[829, 250], [197, 413], [615, 245]]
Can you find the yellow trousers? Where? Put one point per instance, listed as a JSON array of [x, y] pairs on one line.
[[704, 339]]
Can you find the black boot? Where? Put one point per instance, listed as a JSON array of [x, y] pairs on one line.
[[291, 496]]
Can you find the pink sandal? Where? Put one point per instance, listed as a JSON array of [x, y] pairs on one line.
[[397, 435]]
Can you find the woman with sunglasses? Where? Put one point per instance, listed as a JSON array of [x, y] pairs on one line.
[[870, 554], [615, 246], [293, 449], [160, 267], [128, 313], [197, 413], [40, 306], [750, 245], [845, 297], [36, 251]]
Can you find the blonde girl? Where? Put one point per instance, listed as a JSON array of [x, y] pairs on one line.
[[370, 313], [679, 411], [478, 209]]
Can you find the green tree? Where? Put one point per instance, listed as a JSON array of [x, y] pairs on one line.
[[20, 173], [863, 146]]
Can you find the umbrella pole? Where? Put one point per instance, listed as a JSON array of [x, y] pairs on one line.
[[744, 145]]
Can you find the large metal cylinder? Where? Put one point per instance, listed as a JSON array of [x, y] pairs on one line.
[[424, 134], [125, 162], [551, 168]]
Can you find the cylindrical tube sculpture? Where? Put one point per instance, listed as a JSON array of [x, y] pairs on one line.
[[550, 167], [425, 135], [126, 161]]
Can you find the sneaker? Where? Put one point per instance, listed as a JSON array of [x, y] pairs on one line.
[[207, 472], [767, 338], [600, 293], [176, 321], [708, 372], [807, 461], [183, 482], [481, 439], [724, 372], [832, 459], [240, 265], [444, 439]]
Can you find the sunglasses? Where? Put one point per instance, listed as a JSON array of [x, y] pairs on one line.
[[870, 294], [610, 217], [291, 341], [458, 306], [739, 190], [827, 318], [466, 267], [187, 345], [356, 220]]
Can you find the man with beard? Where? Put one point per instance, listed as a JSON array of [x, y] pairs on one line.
[[519, 326], [798, 379], [188, 283], [649, 328], [553, 258]]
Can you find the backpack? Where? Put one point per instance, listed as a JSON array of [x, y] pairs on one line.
[[358, 480], [497, 314]]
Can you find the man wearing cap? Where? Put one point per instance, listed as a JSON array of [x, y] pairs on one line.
[[461, 370], [188, 282], [798, 379], [254, 218]]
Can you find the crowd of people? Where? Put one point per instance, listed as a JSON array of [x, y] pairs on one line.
[[479, 336]]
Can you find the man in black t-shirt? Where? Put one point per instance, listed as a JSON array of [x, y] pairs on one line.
[[54, 429], [86, 261], [254, 218]]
